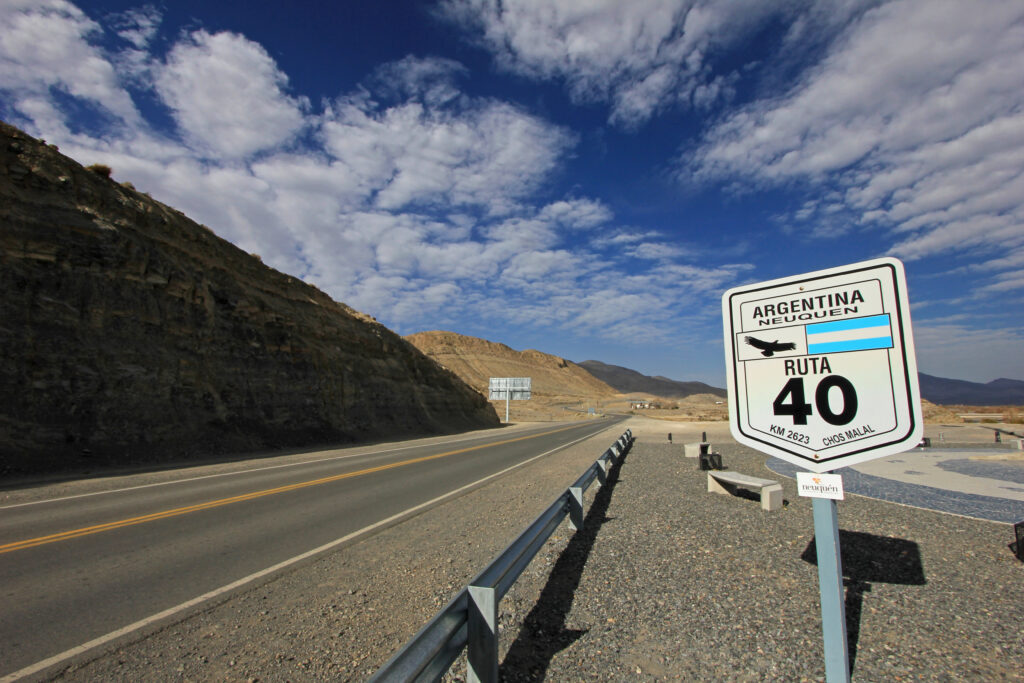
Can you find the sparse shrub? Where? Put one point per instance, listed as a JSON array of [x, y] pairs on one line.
[[128, 186], [257, 257], [100, 170]]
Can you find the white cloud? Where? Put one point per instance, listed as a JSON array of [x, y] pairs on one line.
[[464, 153], [431, 80], [228, 95], [139, 25], [46, 44], [656, 251], [578, 214], [620, 238], [641, 56], [538, 266], [913, 121]]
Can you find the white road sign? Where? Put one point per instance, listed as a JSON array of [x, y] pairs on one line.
[[511, 388], [821, 367]]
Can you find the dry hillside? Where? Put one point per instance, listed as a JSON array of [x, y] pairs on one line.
[[477, 360], [128, 332], [560, 388]]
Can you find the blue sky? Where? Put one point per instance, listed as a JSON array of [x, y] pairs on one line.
[[582, 177]]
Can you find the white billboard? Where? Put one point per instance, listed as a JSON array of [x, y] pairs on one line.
[[510, 388]]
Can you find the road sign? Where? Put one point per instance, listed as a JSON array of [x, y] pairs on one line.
[[510, 389], [821, 366], [513, 388]]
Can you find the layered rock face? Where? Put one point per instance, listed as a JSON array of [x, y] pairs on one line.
[[129, 332], [477, 360]]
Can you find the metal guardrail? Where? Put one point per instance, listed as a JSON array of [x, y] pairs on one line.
[[470, 620]]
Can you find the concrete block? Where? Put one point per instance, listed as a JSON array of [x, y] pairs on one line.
[[771, 491], [693, 450], [715, 486], [771, 497]]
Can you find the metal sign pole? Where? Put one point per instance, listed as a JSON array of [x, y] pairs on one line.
[[830, 584]]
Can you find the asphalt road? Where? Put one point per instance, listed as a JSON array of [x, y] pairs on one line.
[[73, 570]]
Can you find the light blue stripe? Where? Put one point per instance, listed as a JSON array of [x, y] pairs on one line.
[[852, 324], [852, 345]]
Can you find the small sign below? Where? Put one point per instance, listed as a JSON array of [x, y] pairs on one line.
[[814, 485]]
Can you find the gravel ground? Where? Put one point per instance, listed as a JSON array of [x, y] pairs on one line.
[[680, 584], [665, 582]]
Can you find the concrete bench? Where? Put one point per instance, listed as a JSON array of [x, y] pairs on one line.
[[727, 482], [693, 450]]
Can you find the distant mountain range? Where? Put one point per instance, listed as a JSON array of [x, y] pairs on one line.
[[630, 381], [998, 392], [935, 389]]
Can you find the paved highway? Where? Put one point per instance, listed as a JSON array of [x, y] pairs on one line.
[[77, 572]]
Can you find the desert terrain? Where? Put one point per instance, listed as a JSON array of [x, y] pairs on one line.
[[564, 390]]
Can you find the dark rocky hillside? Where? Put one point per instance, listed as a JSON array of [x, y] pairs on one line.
[[128, 333], [630, 381]]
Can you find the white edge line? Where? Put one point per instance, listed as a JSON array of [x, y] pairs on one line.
[[142, 623], [237, 472]]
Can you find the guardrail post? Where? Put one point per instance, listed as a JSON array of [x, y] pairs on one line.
[[482, 634], [576, 507], [602, 471]]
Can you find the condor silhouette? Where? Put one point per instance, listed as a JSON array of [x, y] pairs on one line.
[[768, 349]]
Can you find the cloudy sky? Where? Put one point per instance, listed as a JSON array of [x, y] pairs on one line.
[[583, 177]]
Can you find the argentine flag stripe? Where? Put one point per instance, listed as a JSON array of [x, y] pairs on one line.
[[852, 345], [857, 334], [851, 324]]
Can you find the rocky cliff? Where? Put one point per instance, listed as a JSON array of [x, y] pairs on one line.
[[477, 360], [130, 332]]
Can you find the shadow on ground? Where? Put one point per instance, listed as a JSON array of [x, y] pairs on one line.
[[870, 559], [543, 633]]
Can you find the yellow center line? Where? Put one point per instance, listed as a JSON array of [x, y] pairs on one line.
[[174, 512]]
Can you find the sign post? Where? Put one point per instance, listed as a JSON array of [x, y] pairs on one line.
[[510, 389], [822, 374], [830, 587]]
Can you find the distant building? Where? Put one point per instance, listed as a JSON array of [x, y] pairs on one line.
[[643, 404]]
